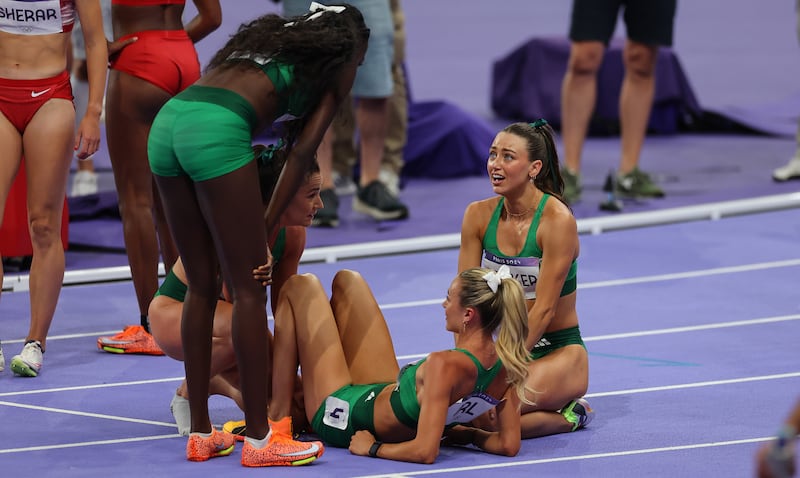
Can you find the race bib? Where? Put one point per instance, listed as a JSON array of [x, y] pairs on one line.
[[337, 413], [524, 269], [26, 17], [470, 407]]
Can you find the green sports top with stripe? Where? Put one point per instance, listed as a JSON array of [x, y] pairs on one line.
[[281, 75], [525, 265], [406, 406]]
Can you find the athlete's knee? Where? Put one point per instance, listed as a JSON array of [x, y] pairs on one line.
[[45, 231], [345, 279], [640, 59], [300, 284], [132, 201], [585, 58]]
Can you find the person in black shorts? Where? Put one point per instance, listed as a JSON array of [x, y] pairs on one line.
[[649, 24]]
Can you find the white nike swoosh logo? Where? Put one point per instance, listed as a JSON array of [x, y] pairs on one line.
[[34, 94], [309, 451]]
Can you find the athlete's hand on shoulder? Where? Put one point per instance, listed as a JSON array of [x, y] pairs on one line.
[[361, 442], [114, 47]]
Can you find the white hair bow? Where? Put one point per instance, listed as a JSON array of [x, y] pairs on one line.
[[320, 9], [494, 278]]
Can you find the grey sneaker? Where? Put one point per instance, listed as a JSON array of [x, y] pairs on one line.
[[637, 184], [572, 185], [790, 171], [328, 216], [376, 201], [2, 359], [29, 362]]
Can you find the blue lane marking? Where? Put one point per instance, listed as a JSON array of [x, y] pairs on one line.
[[648, 362]]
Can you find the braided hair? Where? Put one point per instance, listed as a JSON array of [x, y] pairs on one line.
[[318, 49]]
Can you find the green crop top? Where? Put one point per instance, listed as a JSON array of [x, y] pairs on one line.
[[291, 106], [406, 406], [525, 265]]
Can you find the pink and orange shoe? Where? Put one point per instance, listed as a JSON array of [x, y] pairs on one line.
[[281, 449], [133, 339], [199, 448]]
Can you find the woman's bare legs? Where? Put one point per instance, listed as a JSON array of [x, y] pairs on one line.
[[222, 217], [559, 377], [47, 145], [305, 334], [131, 106], [363, 331], [337, 342]]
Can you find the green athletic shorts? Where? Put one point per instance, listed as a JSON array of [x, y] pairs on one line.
[[345, 411], [202, 132], [555, 340], [172, 287]]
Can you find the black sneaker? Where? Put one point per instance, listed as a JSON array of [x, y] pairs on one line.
[[376, 201], [328, 216], [638, 184]]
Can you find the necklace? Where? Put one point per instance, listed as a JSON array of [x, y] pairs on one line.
[[518, 217]]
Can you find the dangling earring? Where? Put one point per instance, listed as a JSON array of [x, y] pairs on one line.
[[463, 326]]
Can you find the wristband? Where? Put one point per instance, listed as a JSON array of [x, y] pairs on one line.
[[373, 450]]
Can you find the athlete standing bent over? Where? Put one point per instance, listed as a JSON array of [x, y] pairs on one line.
[[38, 123]]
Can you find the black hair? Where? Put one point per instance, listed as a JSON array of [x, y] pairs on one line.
[[317, 49], [271, 160]]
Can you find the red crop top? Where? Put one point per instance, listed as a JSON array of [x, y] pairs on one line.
[[37, 17]]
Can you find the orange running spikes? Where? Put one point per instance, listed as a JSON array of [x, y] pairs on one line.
[[134, 339], [199, 448], [281, 450]]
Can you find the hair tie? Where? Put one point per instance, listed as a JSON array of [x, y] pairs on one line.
[[538, 123], [494, 278]]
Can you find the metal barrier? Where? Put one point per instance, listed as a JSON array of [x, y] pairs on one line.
[[596, 225]]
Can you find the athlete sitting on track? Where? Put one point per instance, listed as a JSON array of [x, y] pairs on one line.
[[357, 396]]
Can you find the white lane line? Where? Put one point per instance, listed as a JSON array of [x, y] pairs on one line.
[[672, 330], [86, 414], [585, 285], [639, 280], [88, 443], [89, 387], [694, 328], [710, 383]]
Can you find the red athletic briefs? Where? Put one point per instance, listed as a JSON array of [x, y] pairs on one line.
[[21, 99], [165, 58]]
